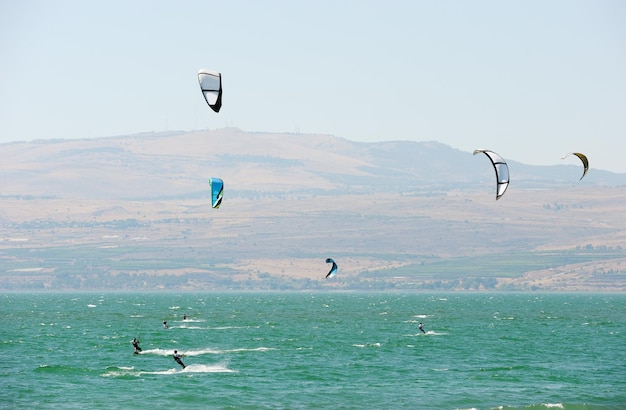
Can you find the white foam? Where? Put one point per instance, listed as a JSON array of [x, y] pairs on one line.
[[428, 333], [193, 368], [362, 345]]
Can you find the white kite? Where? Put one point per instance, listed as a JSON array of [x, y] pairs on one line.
[[501, 168], [211, 86]]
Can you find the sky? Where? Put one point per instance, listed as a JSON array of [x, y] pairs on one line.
[[532, 80]]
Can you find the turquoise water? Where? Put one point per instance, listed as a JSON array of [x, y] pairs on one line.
[[314, 351]]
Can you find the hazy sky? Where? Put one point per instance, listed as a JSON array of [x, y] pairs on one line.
[[531, 80]]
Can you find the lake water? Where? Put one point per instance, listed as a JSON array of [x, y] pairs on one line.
[[314, 351]]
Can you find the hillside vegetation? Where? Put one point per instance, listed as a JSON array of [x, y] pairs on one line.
[[133, 213]]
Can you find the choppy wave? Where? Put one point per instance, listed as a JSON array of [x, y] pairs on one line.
[[184, 325], [233, 327], [200, 352], [548, 406], [286, 350], [428, 333], [187, 327], [363, 345], [190, 369]]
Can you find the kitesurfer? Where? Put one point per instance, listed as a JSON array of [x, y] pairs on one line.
[[185, 316], [178, 358], [421, 327], [165, 324], [135, 343]]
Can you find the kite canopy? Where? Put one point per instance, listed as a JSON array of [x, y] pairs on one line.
[[211, 86], [584, 160], [333, 270], [217, 190], [501, 168]]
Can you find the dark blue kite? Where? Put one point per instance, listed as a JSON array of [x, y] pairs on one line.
[[333, 270]]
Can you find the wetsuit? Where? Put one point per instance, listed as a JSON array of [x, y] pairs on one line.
[[178, 360]]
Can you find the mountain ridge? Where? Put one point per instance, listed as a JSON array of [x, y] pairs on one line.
[[156, 164]]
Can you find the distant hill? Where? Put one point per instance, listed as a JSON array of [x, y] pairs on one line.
[[178, 165], [132, 212]]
